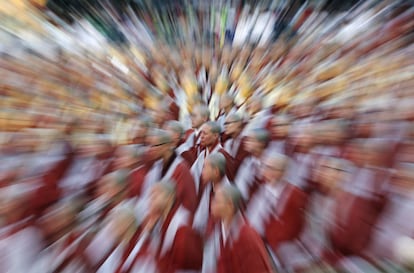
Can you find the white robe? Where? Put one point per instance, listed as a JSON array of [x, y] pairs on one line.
[[245, 177], [153, 177], [258, 121], [19, 251], [202, 213], [50, 258], [263, 205], [396, 222], [232, 145], [197, 167]]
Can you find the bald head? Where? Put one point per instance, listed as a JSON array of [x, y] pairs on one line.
[[161, 136], [233, 125], [176, 131], [274, 167], [226, 102], [226, 203], [254, 105], [200, 115], [233, 194], [217, 160], [163, 195]]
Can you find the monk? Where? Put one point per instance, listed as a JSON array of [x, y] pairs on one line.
[[234, 246], [235, 145], [167, 243], [213, 175], [210, 133], [169, 165]]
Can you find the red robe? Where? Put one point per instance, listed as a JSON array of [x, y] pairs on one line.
[[243, 252], [357, 211], [290, 218], [237, 149], [177, 170], [198, 165], [177, 247], [136, 181]]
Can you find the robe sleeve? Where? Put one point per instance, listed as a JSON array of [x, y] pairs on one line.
[[253, 255], [187, 252], [290, 221], [230, 166]]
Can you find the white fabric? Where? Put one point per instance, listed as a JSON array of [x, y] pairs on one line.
[[135, 251], [112, 262], [180, 218], [152, 177], [202, 212], [231, 148], [397, 221], [18, 252], [300, 169], [364, 182], [79, 175], [246, 175], [211, 252], [197, 167], [275, 147], [262, 206], [258, 121], [52, 257], [100, 245]]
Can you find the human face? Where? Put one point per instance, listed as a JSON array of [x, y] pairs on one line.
[[158, 116], [221, 205], [157, 148], [253, 107], [207, 174], [196, 119], [330, 175], [404, 178], [158, 199], [108, 188], [57, 220], [272, 170], [280, 128], [123, 160], [225, 103], [253, 146], [207, 137], [174, 135], [231, 126]]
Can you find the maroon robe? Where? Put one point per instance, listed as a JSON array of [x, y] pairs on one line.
[[237, 149], [357, 211], [136, 181], [289, 219], [177, 247], [243, 252], [176, 169]]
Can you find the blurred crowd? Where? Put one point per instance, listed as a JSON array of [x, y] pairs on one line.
[[236, 152]]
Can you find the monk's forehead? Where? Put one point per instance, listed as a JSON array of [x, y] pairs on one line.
[[206, 127]]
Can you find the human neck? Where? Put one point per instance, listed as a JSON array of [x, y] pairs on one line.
[[236, 134], [216, 181], [167, 155], [212, 146], [166, 211], [258, 154]]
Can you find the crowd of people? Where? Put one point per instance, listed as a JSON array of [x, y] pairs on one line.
[[294, 155]]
